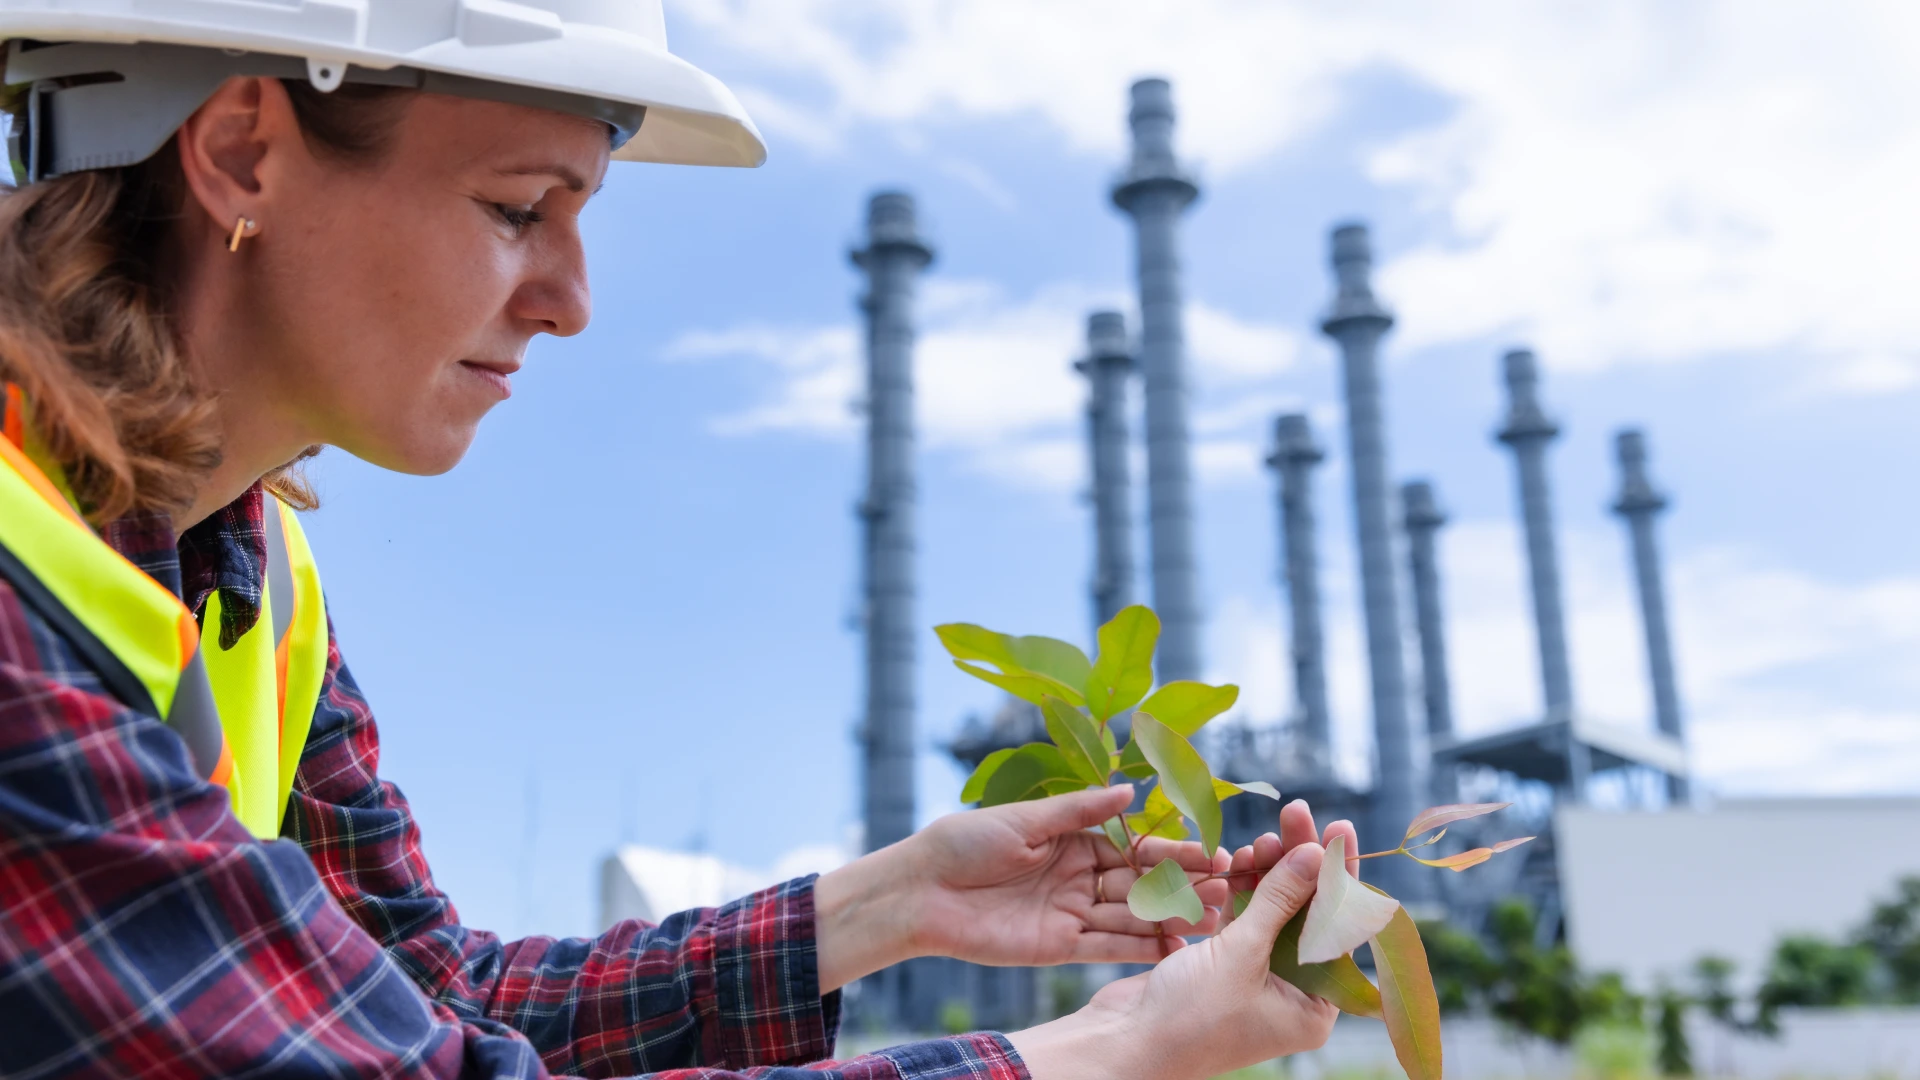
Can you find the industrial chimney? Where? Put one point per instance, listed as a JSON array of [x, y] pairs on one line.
[[1154, 190], [1528, 431], [1106, 367], [1639, 503], [893, 258], [1294, 456], [1421, 514], [1357, 321]]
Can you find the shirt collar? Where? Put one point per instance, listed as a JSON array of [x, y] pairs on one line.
[[227, 551]]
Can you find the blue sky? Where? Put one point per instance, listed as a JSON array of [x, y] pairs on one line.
[[625, 615]]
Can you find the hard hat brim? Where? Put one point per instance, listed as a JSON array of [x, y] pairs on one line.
[[691, 119]]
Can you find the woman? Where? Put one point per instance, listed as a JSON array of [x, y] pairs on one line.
[[230, 248]]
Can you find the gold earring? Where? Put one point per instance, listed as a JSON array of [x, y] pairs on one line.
[[240, 229]]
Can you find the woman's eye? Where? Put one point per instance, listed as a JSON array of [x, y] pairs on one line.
[[518, 217]]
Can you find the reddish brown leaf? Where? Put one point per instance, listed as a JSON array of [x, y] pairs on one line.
[[1457, 863], [1411, 1008], [1435, 816], [1509, 845]]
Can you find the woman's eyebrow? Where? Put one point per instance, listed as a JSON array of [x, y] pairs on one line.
[[566, 174]]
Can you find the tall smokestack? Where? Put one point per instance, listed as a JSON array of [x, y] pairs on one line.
[[1357, 321], [1106, 367], [1639, 503], [1528, 431], [1154, 190], [1421, 514], [1294, 456], [893, 258]]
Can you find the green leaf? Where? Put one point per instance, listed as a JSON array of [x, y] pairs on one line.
[[1133, 764], [1051, 658], [1241, 898], [1227, 789], [1123, 672], [966, 641], [1342, 914], [977, 783], [1021, 776], [1165, 893], [1339, 981], [1187, 706], [1023, 686], [1183, 773], [1407, 998], [1158, 817], [1077, 738], [1434, 817], [1115, 833]]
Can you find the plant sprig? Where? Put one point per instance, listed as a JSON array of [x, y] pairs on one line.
[[1078, 700]]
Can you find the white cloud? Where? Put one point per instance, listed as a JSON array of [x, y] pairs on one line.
[[995, 382], [1635, 182]]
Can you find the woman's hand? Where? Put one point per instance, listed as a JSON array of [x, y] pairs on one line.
[[1024, 884], [1211, 1008]]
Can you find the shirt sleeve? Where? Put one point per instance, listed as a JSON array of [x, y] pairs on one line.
[[735, 987]]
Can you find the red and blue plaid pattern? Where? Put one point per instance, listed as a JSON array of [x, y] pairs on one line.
[[144, 932]]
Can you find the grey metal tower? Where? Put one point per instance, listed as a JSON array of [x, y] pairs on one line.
[[1357, 321], [893, 258], [1154, 190], [1639, 503], [1421, 514], [1294, 456], [1528, 431], [1106, 367]]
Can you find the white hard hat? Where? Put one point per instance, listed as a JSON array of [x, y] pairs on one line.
[[104, 83]]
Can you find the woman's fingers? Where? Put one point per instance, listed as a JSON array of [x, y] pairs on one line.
[[1296, 825], [1154, 850], [1117, 919], [1345, 828], [1102, 948]]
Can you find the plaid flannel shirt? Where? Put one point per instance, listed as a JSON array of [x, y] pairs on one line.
[[145, 932]]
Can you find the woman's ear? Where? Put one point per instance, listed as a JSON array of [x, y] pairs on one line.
[[230, 149]]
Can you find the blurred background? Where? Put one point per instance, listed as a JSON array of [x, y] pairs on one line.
[[621, 655]]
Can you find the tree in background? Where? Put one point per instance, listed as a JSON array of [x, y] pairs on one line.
[[1538, 991], [1892, 932]]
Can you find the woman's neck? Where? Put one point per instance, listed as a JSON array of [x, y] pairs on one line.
[[260, 430]]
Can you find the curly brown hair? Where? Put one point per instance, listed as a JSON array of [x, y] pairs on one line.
[[86, 324]]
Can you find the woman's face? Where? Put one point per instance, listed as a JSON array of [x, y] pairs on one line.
[[386, 306]]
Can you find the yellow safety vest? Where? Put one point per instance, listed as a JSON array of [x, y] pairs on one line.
[[244, 712]]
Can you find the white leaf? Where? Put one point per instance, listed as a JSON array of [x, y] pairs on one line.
[[1343, 912]]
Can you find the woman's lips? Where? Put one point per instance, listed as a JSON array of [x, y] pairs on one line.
[[499, 377]]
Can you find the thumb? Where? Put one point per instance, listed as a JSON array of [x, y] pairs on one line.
[[1044, 819], [1282, 893]]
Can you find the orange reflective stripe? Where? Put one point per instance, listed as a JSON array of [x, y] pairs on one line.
[[37, 480], [224, 769], [189, 632], [14, 426]]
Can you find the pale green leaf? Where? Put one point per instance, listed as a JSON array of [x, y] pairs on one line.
[[977, 783], [1227, 789], [1435, 816], [1024, 686], [1339, 981], [1183, 773], [1077, 738], [1165, 893], [1115, 833], [1342, 913], [1023, 772], [1123, 671], [966, 641], [1051, 658], [1158, 817], [1187, 706], [1133, 764], [1241, 898], [1408, 1002]]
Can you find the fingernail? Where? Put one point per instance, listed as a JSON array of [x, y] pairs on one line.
[[1128, 788], [1305, 860]]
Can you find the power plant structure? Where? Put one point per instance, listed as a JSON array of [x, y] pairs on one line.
[[1155, 191], [1397, 554]]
